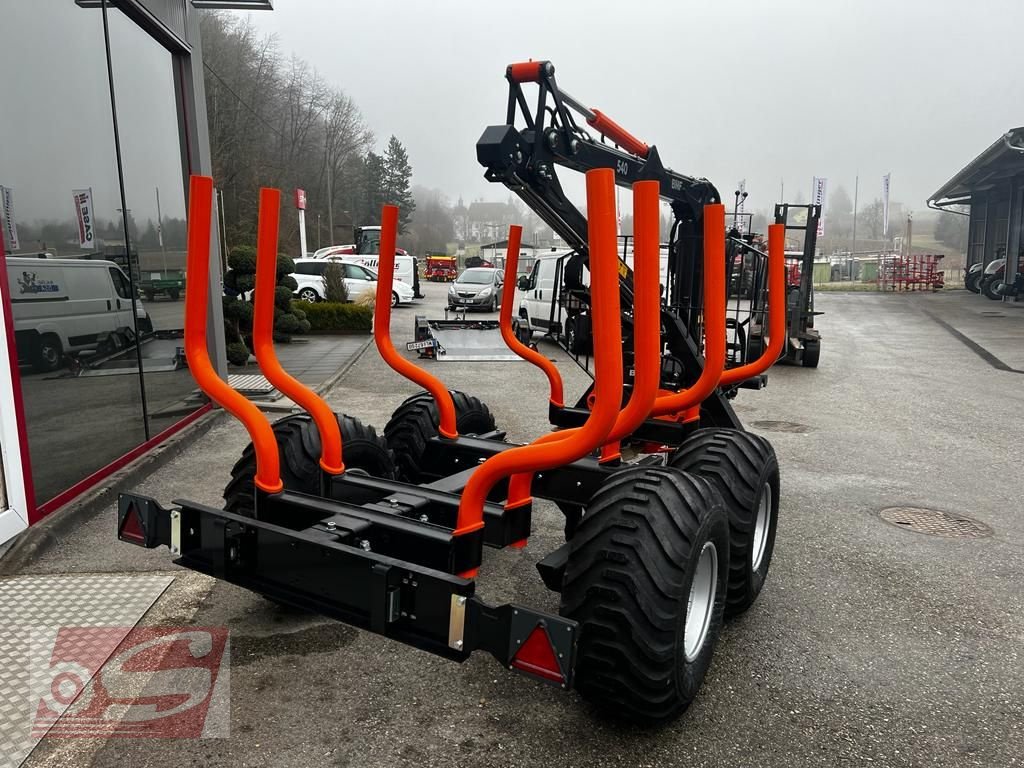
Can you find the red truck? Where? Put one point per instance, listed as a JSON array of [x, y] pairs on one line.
[[441, 269]]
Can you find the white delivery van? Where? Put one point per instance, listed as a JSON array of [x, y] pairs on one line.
[[67, 305], [538, 291], [405, 266]]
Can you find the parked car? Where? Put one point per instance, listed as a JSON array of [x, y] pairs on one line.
[[69, 305], [476, 288], [358, 280]]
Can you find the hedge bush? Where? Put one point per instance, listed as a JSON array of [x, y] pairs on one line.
[[327, 316]]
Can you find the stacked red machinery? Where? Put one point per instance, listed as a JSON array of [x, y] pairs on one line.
[[915, 272]]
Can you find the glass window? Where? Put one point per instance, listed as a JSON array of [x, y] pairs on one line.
[[120, 283], [151, 149], [356, 272], [309, 268], [82, 395]]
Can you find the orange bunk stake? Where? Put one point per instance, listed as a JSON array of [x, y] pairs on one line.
[[515, 234], [776, 311], [263, 336], [607, 370], [646, 319], [200, 204], [714, 319], [382, 326]]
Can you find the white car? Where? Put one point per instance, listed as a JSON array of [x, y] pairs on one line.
[[358, 280]]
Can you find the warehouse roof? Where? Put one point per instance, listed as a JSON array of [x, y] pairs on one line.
[[1002, 160]]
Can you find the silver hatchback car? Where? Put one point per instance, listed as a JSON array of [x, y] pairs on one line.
[[476, 288]]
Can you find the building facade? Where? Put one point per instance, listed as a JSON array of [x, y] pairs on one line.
[[992, 186], [104, 120]]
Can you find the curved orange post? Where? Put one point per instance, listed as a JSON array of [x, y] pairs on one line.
[[714, 319], [197, 269], [776, 310], [607, 366], [515, 234], [382, 326], [263, 335], [646, 315]]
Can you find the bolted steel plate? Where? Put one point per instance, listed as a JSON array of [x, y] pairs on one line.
[[935, 522], [781, 426]]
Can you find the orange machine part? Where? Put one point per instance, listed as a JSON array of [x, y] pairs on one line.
[[776, 310], [646, 334], [524, 72], [263, 335], [382, 326], [714, 319], [617, 133], [607, 367], [515, 234], [197, 270]]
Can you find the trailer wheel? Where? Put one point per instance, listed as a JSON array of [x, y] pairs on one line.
[[298, 442], [812, 352], [743, 469], [150, 295], [646, 579], [417, 420], [174, 294]]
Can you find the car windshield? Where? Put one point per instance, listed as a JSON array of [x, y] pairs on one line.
[[477, 276]]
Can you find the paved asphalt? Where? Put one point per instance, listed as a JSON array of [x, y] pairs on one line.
[[870, 645]]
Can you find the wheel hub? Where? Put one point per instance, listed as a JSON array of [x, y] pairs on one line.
[[701, 605], [762, 524]]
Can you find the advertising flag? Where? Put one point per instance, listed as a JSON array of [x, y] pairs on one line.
[[818, 198], [84, 218], [10, 228], [885, 205]]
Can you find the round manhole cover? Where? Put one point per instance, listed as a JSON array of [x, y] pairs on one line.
[[935, 522], [781, 426]]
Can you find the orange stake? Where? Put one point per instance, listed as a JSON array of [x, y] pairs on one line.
[[714, 319], [607, 368], [382, 326], [263, 336], [515, 234], [197, 269], [776, 310], [646, 317]]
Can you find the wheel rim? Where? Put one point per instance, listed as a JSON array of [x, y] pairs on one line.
[[762, 524], [49, 355], [394, 299], [308, 296], [701, 605]]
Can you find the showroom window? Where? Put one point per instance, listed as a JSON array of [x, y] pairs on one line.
[[98, 344]]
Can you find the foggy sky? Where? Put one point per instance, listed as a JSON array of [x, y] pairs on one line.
[[766, 91]]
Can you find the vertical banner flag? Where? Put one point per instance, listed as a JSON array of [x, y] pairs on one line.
[[84, 217], [818, 198], [885, 205], [10, 228]]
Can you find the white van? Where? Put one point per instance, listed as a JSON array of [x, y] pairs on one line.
[[67, 305], [538, 290], [405, 266]]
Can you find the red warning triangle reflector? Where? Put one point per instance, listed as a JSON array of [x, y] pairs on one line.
[[537, 657], [131, 528]]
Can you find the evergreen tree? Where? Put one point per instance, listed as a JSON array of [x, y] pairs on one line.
[[397, 178]]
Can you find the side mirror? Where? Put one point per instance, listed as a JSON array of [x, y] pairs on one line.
[[523, 283]]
